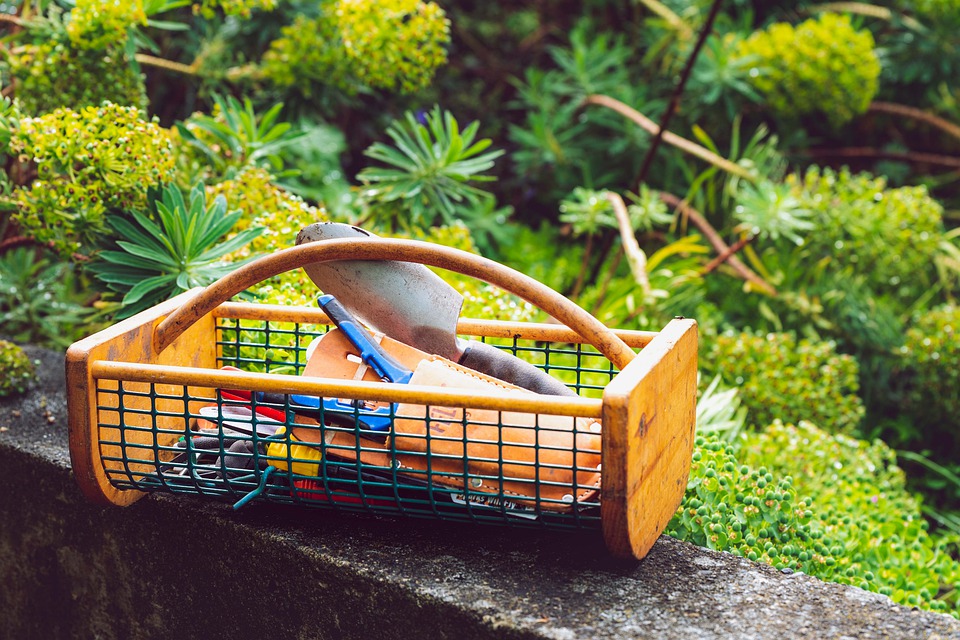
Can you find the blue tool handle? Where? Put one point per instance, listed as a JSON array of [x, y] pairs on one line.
[[334, 408], [370, 352]]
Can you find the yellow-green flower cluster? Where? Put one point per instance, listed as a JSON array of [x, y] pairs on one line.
[[56, 74], [306, 54], [821, 66], [395, 45], [242, 8], [88, 162], [780, 377], [103, 24], [860, 526], [16, 370]]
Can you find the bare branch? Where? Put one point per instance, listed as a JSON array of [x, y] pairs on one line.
[[717, 242], [670, 138], [636, 258]]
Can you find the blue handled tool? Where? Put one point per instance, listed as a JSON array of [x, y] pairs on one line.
[[371, 354]]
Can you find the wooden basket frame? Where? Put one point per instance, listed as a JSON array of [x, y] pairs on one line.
[[648, 409]]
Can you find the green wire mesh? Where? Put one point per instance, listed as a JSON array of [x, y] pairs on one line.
[[447, 464]]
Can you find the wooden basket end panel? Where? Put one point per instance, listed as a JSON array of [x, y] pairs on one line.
[[82, 419], [649, 426], [130, 340]]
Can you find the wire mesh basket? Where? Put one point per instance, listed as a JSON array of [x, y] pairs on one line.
[[202, 396]]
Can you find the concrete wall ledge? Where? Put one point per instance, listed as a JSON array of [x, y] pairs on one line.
[[173, 567]]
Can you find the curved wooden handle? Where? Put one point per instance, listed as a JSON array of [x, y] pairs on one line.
[[565, 311]]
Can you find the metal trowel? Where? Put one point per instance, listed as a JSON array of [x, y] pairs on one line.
[[410, 303]]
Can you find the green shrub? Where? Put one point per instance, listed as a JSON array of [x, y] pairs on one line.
[[783, 378], [306, 58], [931, 359], [821, 66], [56, 74], [16, 370], [887, 235], [233, 137], [430, 166], [95, 24], [863, 507], [395, 46], [860, 527], [88, 162], [241, 8]]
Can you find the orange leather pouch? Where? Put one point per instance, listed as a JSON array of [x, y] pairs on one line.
[[534, 459]]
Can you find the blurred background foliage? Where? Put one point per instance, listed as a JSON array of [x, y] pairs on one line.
[[800, 201]]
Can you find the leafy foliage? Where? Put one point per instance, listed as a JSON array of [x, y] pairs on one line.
[[318, 175], [95, 24], [39, 299], [395, 45], [861, 527], [719, 412], [931, 355], [172, 249], [241, 8], [431, 165], [780, 377], [821, 66], [748, 512], [722, 76], [864, 508], [307, 58], [559, 143], [18, 371], [771, 209], [280, 215], [889, 235]]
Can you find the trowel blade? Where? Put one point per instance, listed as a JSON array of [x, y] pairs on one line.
[[403, 300]]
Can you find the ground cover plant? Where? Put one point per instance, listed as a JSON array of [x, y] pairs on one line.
[[785, 173]]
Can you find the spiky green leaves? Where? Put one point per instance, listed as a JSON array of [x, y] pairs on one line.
[[429, 168], [236, 136], [171, 249]]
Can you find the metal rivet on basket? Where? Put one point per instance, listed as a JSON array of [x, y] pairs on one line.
[[567, 498], [476, 482]]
